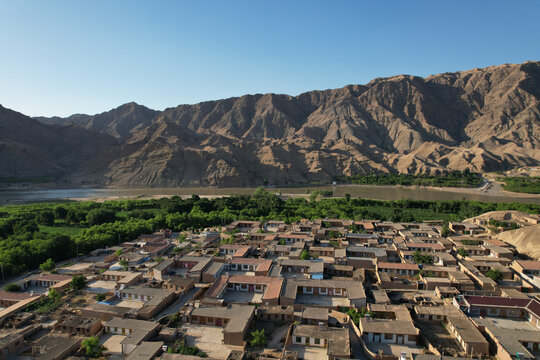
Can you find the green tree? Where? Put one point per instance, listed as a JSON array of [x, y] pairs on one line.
[[304, 255], [60, 212], [46, 218], [258, 338], [91, 347], [124, 263], [463, 252], [445, 230], [13, 287], [100, 216], [101, 297], [48, 265], [118, 252], [54, 295], [78, 282], [494, 274], [421, 258]]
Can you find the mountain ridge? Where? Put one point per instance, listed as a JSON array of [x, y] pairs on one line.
[[484, 119]]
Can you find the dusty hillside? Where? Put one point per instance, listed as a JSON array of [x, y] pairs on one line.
[[525, 239], [484, 119]]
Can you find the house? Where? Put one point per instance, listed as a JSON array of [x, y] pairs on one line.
[[313, 269], [120, 326], [80, 326], [234, 250], [496, 306], [292, 251], [106, 312], [245, 289], [458, 325], [190, 266], [275, 226], [146, 350], [527, 267], [161, 270], [395, 269], [178, 284], [323, 293], [465, 228], [10, 344], [510, 343], [318, 251], [154, 300], [276, 313], [292, 238], [59, 282], [366, 252], [243, 226], [392, 325], [11, 298], [125, 278], [235, 320], [335, 340], [53, 347], [336, 270], [389, 331], [260, 267], [214, 271], [314, 316]]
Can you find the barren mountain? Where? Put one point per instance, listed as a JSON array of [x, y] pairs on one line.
[[117, 122], [484, 119]]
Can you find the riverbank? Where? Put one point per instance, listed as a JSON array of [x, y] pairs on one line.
[[489, 192]]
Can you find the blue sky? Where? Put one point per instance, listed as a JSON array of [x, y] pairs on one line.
[[64, 57]]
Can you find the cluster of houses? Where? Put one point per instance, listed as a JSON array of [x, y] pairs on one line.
[[324, 288]]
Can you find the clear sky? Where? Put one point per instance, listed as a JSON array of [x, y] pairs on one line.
[[64, 57]]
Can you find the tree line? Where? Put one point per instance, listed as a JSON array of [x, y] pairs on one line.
[[31, 234], [464, 178]]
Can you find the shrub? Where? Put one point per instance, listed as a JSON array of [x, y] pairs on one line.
[[13, 287]]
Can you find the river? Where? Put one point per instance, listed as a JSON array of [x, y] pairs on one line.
[[19, 196]]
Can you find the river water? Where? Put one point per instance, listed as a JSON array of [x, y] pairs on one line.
[[362, 191]]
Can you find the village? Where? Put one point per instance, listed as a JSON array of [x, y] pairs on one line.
[[321, 289]]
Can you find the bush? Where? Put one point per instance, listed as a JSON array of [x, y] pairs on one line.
[[494, 274], [78, 282], [420, 258], [258, 338], [91, 347], [48, 265], [13, 287]]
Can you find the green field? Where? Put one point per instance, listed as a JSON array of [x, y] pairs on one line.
[[521, 184]]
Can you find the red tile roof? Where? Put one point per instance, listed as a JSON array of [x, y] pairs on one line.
[[496, 301]]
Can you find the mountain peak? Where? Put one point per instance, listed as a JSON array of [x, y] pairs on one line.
[[482, 119]]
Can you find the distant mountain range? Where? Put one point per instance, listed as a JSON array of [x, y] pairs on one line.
[[483, 119]]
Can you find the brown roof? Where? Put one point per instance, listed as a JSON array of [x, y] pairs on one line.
[[529, 264], [5, 295], [390, 265]]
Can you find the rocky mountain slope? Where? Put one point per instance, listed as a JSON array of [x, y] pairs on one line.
[[119, 122], [484, 119]]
